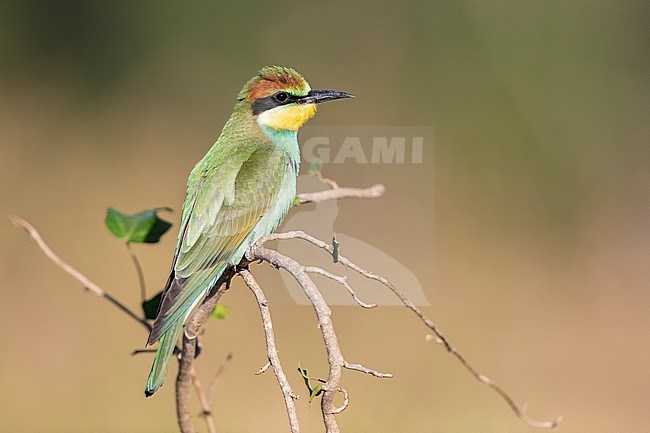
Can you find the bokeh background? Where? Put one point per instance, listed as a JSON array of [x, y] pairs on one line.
[[527, 223]]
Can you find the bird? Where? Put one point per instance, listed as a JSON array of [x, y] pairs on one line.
[[237, 193]]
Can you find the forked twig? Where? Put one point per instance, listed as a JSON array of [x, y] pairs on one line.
[[342, 281], [212, 386], [439, 336], [206, 407], [323, 312]]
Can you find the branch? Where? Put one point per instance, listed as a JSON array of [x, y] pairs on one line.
[[521, 412], [363, 369], [206, 411], [206, 398], [336, 192], [272, 351], [439, 337], [212, 387], [183, 379], [263, 368], [85, 281], [346, 402], [342, 281], [323, 313]]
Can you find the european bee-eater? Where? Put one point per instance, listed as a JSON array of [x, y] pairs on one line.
[[239, 192]]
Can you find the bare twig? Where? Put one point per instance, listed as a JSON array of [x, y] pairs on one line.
[[212, 387], [342, 281], [323, 313], [346, 402], [337, 193], [519, 411], [370, 371], [206, 398], [272, 351], [327, 181], [84, 280], [263, 368], [206, 411]]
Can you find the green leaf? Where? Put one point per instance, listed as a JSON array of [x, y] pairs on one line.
[[335, 249], [318, 389], [315, 167], [303, 373], [313, 392], [150, 307], [220, 311], [144, 226]]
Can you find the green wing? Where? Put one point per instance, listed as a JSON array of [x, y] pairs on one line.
[[224, 202]]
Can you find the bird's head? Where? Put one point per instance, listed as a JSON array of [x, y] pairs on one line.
[[281, 99]]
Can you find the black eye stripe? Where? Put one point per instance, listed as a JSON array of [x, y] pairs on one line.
[[262, 104]]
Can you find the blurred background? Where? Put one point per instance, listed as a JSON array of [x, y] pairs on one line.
[[526, 224]]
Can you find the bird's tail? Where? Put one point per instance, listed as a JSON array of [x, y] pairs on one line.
[[163, 356]]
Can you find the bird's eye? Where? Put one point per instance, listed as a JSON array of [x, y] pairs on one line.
[[281, 96]]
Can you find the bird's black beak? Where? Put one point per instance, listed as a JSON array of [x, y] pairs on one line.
[[318, 96]]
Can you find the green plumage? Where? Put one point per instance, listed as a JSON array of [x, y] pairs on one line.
[[239, 192]]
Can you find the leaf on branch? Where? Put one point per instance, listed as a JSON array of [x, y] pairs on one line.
[[303, 373], [313, 392], [150, 307], [143, 227], [318, 389], [220, 311]]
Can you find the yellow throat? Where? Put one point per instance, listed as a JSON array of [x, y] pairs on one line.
[[289, 117]]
